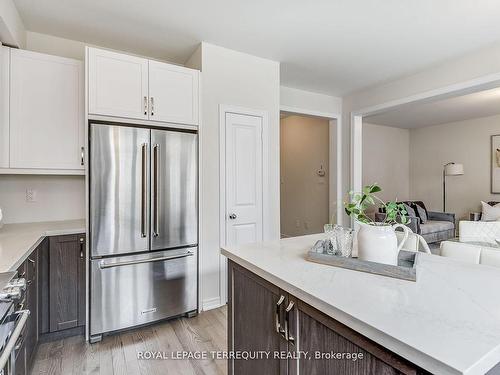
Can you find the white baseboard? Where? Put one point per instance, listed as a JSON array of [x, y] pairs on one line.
[[212, 303]]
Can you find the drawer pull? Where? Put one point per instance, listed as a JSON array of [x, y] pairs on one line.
[[277, 322], [288, 336]]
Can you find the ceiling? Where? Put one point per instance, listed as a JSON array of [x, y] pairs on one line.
[[465, 107], [328, 46]]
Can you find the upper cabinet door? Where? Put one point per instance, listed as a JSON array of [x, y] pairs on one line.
[[46, 111], [117, 84], [173, 93], [4, 106]]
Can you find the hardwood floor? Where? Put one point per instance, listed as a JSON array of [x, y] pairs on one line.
[[119, 354]]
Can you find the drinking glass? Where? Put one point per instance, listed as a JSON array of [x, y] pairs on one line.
[[344, 238]]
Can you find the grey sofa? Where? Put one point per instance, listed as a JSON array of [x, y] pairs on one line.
[[440, 226]]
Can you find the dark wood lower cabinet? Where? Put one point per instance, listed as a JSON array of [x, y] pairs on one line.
[[55, 294], [254, 298], [66, 275], [258, 322]]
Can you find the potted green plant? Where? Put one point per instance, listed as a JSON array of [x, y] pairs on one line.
[[377, 241]]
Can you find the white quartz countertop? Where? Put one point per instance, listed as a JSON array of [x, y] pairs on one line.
[[447, 322], [17, 241]]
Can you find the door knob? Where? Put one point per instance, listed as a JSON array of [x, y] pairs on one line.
[[232, 216]]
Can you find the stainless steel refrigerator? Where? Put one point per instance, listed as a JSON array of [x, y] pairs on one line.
[[143, 226]]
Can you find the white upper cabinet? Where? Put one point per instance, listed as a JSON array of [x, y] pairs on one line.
[[46, 112], [117, 84], [126, 86], [173, 92], [4, 106]]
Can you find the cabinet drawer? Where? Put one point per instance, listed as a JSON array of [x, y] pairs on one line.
[[137, 289]]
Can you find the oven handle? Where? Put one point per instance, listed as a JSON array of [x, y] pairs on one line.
[[10, 347], [103, 265]]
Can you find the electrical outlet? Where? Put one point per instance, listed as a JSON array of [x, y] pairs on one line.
[[30, 195], [297, 223]]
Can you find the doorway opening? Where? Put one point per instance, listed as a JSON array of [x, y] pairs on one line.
[[308, 169]]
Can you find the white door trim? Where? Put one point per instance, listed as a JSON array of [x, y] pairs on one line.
[[335, 172], [356, 117], [266, 208]]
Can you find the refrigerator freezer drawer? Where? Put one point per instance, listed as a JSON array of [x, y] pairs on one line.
[[137, 289]]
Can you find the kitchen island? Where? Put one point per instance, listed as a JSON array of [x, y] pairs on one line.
[[447, 322]]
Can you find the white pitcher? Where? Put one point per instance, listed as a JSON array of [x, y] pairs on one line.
[[378, 243]]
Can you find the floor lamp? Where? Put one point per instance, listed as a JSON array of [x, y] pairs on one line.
[[450, 169]]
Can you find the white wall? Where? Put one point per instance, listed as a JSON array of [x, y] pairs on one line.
[[12, 31], [466, 142], [304, 194], [473, 65], [237, 79], [53, 45], [73, 49], [311, 101], [386, 160], [57, 198]]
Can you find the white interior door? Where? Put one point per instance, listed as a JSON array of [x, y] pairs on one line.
[[243, 174]]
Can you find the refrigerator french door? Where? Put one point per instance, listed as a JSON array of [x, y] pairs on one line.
[[143, 226]]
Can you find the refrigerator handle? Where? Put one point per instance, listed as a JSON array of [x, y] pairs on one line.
[[156, 189], [103, 265], [143, 192]]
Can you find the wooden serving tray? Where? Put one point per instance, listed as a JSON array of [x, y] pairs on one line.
[[405, 270]]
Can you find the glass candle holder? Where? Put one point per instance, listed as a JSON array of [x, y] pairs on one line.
[[330, 242], [344, 239]]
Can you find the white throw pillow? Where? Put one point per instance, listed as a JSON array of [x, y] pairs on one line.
[[490, 213]]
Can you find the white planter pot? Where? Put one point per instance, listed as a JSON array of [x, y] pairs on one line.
[[378, 243]]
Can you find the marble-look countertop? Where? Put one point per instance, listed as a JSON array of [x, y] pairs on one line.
[[17, 241], [447, 322]]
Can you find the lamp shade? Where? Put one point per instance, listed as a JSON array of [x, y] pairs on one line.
[[454, 169]]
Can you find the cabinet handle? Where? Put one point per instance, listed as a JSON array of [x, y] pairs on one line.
[[152, 106], [277, 315], [288, 336], [145, 105], [82, 156], [81, 247]]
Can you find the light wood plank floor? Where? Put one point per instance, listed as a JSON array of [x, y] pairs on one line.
[[118, 354]]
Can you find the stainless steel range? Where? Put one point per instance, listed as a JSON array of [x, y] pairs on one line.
[[143, 226], [12, 324]]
